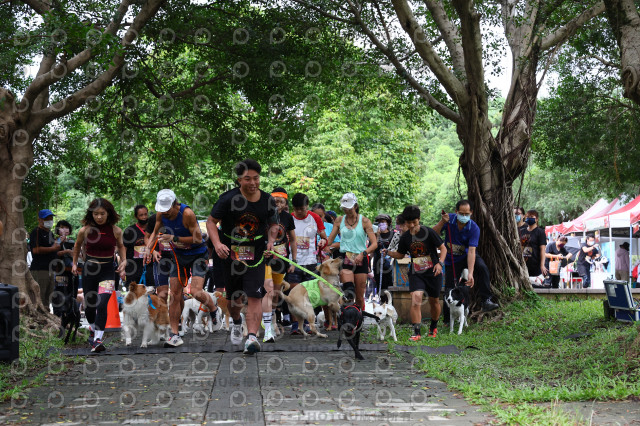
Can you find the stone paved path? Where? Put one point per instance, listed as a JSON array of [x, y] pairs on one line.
[[303, 382]]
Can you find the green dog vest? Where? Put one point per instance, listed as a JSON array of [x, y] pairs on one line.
[[313, 289]]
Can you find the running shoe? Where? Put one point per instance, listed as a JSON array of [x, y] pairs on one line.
[[268, 335], [415, 337], [173, 342], [296, 332], [251, 346], [236, 334], [91, 336], [433, 333], [97, 346]]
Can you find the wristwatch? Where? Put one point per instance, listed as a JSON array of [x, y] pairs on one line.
[[176, 238], [441, 263]]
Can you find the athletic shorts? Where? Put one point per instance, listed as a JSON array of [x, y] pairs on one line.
[[356, 269], [242, 279], [196, 263], [423, 282], [300, 276]]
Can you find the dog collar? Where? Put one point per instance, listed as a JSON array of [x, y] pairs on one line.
[[356, 307], [150, 301]]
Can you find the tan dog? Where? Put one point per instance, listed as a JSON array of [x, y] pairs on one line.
[[300, 303], [148, 311]]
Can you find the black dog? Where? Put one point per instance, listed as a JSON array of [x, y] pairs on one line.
[[350, 320], [69, 310]]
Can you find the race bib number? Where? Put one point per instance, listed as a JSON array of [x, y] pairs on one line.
[[350, 259], [138, 252], [281, 249], [244, 253], [303, 243], [422, 264], [106, 286], [164, 246], [62, 280]]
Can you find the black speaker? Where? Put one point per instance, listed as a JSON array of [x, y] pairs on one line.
[[9, 323]]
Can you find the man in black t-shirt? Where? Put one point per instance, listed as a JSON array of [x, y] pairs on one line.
[[556, 250], [422, 243], [133, 239], [533, 242], [587, 254], [44, 250], [249, 226]]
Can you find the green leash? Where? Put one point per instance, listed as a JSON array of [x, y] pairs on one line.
[[307, 271]]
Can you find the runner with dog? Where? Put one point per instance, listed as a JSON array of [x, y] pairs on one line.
[[100, 237], [189, 257], [422, 243], [249, 225], [354, 230]]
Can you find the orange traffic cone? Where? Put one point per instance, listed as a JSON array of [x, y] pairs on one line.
[[113, 314]]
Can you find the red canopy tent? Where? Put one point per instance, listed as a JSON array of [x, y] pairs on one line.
[[579, 225], [600, 207]]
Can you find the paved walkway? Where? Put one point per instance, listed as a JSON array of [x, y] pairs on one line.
[[208, 382]]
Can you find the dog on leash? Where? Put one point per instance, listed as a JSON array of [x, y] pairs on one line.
[[457, 299], [299, 300], [196, 316], [388, 317], [70, 315], [146, 311], [351, 319]]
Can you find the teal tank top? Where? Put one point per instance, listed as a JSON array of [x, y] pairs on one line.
[[353, 240]]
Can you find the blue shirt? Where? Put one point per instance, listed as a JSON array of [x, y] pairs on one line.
[[462, 238]]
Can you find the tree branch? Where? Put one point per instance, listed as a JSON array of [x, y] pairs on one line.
[[560, 35], [451, 84], [448, 32], [78, 98], [325, 13], [384, 24], [59, 71], [38, 6], [442, 109]]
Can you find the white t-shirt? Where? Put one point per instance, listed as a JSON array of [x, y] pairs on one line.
[[306, 231]]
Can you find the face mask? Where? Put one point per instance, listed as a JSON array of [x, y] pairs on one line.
[[560, 246], [530, 221], [63, 232], [518, 217], [48, 224], [464, 218], [590, 243], [143, 222], [382, 227]]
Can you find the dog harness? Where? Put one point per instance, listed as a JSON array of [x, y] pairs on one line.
[[359, 323], [313, 289]]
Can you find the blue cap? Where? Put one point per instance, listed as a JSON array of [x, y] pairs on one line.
[[44, 213]]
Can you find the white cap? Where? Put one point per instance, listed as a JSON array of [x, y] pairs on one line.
[[348, 200], [165, 200]]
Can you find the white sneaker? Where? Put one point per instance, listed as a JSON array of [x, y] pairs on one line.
[[236, 334], [173, 342], [269, 335], [251, 346]]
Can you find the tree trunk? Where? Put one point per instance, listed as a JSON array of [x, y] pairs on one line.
[[490, 165], [16, 158], [625, 22]]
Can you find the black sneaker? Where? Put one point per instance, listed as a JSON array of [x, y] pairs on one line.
[[285, 323], [91, 336], [97, 346], [489, 306]]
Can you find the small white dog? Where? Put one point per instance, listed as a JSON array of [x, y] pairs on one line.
[[388, 317], [146, 311], [196, 316]]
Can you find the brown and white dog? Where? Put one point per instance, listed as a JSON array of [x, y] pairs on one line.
[[298, 299], [146, 311]]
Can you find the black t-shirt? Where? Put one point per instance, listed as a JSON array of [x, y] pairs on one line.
[[384, 239], [423, 249], [245, 224], [553, 249], [133, 236], [285, 225], [582, 256], [531, 242], [42, 238]]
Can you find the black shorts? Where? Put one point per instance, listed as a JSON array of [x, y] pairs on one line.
[[240, 279], [196, 263], [300, 276], [356, 269], [427, 283]]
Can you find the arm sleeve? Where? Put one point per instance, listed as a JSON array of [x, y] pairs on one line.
[[474, 238], [319, 222]]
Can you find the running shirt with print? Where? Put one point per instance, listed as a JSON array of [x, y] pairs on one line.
[[423, 249], [285, 225], [306, 231], [245, 224]]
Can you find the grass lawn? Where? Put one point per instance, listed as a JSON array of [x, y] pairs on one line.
[[34, 363], [526, 357]]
